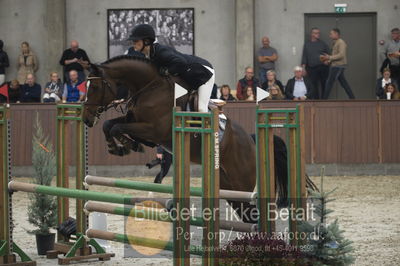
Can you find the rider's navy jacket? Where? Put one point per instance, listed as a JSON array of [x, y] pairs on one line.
[[188, 67]]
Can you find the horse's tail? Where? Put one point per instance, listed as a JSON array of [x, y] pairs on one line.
[[281, 171]]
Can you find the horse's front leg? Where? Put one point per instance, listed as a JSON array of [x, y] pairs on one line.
[[139, 131], [113, 146]]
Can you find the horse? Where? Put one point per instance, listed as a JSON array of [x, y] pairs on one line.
[[151, 100]]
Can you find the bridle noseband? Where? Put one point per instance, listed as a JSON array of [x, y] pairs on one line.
[[105, 85]]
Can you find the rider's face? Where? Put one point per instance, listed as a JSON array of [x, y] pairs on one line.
[[138, 45]]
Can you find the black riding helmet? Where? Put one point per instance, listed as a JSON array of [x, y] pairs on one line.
[[143, 32]]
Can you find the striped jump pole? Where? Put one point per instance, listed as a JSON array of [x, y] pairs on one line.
[[8, 248], [153, 213], [168, 189], [292, 121]]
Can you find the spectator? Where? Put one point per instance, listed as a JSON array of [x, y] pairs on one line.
[[30, 91], [381, 83], [316, 70], [72, 59], [226, 93], [338, 62], [271, 80], [392, 91], [248, 81], [73, 91], [14, 92], [3, 63], [299, 87], [392, 51], [266, 57], [53, 89], [250, 94], [275, 93], [27, 63]]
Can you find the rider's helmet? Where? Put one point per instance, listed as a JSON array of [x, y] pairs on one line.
[[143, 32]]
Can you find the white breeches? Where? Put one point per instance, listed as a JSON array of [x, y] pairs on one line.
[[205, 91]]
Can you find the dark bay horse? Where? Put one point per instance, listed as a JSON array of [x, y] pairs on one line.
[[150, 121]]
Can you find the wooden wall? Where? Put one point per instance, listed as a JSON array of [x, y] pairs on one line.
[[336, 131]]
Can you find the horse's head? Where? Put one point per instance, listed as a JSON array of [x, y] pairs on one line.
[[101, 91]]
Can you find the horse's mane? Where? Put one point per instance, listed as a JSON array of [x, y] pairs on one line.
[[128, 57]]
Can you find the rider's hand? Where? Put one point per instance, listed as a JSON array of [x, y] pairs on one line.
[[159, 156]]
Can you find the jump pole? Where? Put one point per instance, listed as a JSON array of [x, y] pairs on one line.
[[168, 189], [8, 248], [292, 120]]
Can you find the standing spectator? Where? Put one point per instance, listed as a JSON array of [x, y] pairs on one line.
[[226, 93], [31, 91], [381, 83], [392, 51], [72, 59], [53, 89], [338, 62], [3, 63], [14, 92], [275, 93], [392, 91], [271, 80], [248, 81], [266, 57], [27, 63], [299, 87], [73, 89], [250, 96], [316, 70]]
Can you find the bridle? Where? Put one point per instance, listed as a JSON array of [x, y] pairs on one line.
[[105, 85]]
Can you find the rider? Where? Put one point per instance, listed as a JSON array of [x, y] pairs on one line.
[[195, 71]]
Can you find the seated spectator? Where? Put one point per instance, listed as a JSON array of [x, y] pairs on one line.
[[275, 93], [73, 92], [299, 87], [53, 89], [226, 93], [392, 91], [250, 94], [30, 91], [248, 81], [382, 82], [14, 91], [271, 80], [3, 92]]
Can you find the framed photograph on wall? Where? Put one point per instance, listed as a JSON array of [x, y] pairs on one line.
[[174, 27]]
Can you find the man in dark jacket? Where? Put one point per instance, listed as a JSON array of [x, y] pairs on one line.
[[299, 87], [72, 59], [3, 63], [31, 91], [248, 81]]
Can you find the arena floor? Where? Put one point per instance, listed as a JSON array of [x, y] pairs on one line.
[[368, 209]]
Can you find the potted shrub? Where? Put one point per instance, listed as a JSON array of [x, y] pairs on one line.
[[42, 210]]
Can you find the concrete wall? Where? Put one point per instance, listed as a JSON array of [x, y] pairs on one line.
[[23, 21], [214, 28], [219, 29], [283, 22]]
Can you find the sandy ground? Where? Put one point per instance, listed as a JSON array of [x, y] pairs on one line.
[[368, 208]]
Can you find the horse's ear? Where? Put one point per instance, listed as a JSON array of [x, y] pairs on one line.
[[95, 70]]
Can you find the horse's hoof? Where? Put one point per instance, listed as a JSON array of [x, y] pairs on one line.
[[137, 147]]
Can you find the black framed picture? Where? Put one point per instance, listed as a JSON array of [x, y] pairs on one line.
[[174, 27]]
